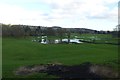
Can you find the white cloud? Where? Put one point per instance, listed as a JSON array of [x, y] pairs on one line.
[[61, 12], [75, 8], [11, 14], [113, 14]]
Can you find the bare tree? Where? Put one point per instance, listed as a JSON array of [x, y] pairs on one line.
[[116, 31], [0, 29], [50, 32], [60, 33], [6, 31], [17, 31], [27, 30], [68, 35]]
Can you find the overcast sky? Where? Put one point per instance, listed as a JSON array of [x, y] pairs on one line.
[[92, 14]]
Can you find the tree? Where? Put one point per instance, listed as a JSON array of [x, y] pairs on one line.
[[69, 34], [38, 31], [60, 33], [50, 32], [27, 30], [0, 29], [116, 31], [17, 31], [6, 31]]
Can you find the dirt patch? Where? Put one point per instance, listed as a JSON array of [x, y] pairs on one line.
[[85, 70], [27, 70], [103, 71]]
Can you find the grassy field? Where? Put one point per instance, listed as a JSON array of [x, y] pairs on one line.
[[0, 56], [21, 52], [99, 38]]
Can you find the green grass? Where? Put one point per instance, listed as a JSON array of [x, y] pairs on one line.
[[99, 38], [0, 57], [21, 52], [87, 35]]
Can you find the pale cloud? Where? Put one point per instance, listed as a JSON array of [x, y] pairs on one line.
[[11, 14], [62, 13], [113, 14], [77, 8]]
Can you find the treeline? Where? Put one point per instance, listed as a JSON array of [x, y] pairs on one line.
[[24, 30], [13, 31], [27, 30]]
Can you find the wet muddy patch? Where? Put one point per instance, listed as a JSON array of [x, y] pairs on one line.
[[85, 70]]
